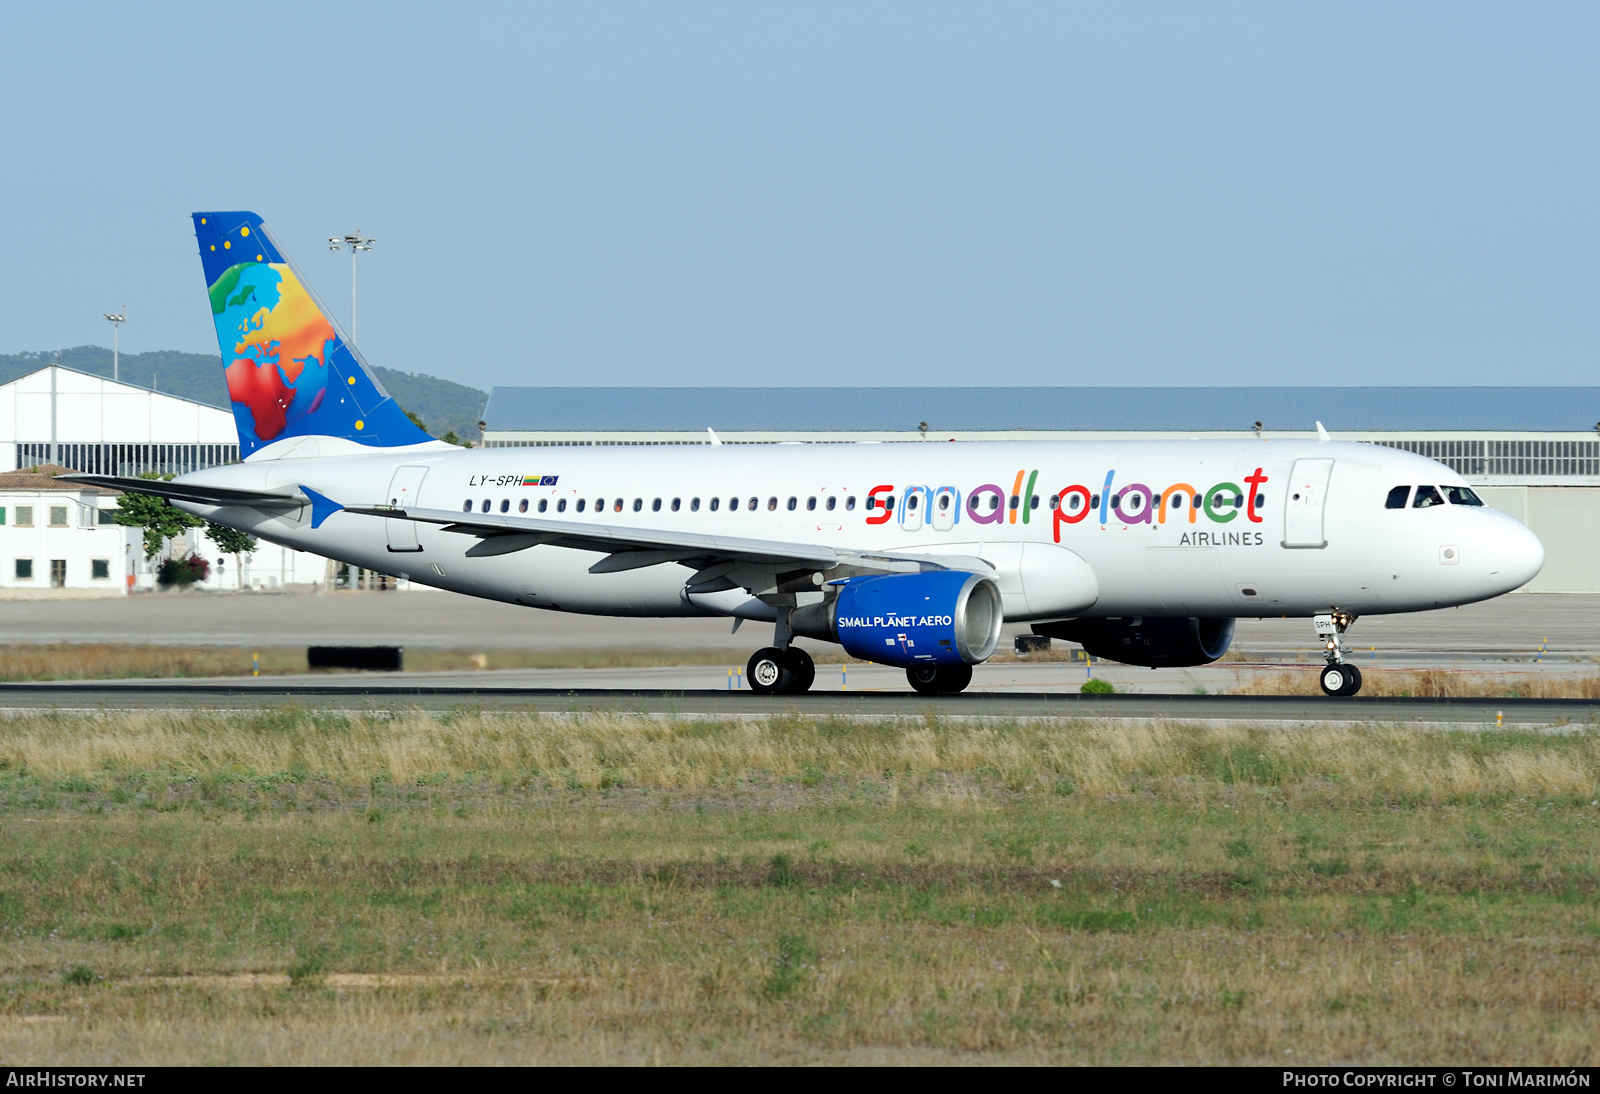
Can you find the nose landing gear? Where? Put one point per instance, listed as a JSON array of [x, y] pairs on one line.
[[1338, 678]]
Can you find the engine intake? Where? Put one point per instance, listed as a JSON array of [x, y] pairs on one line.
[[941, 617], [1155, 643]]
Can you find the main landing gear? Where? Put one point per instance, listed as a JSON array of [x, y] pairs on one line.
[[939, 679], [780, 672], [1338, 678]]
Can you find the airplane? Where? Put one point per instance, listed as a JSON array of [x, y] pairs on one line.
[[912, 555]]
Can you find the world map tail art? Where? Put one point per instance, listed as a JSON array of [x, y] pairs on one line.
[[289, 371]]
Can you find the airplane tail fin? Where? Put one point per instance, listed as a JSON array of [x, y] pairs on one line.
[[290, 371]]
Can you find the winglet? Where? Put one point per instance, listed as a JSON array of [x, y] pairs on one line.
[[322, 507], [1322, 435], [715, 440]]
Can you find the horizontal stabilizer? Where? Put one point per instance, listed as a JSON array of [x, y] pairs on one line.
[[191, 492]]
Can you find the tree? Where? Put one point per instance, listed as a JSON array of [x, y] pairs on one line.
[[450, 437], [231, 541], [159, 519], [416, 420]]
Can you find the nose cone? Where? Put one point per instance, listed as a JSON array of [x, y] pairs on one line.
[[1513, 553]]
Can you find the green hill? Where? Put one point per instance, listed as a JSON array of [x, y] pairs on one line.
[[442, 404]]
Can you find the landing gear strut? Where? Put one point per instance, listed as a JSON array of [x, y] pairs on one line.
[[1338, 678]]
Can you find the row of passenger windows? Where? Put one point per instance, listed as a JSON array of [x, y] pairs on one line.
[[1132, 503], [676, 505], [1428, 496]]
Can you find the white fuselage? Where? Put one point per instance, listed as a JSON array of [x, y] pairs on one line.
[[1303, 529]]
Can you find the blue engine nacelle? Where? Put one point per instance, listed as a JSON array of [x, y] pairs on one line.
[[941, 617]]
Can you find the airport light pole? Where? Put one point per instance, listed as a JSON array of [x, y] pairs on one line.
[[116, 329], [357, 243]]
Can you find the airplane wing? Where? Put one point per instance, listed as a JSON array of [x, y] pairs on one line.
[[722, 562], [179, 491]]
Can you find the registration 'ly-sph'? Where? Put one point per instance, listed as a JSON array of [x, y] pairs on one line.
[[1143, 551]]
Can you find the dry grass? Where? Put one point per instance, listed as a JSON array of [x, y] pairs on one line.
[[107, 661], [600, 750], [1431, 684], [407, 887]]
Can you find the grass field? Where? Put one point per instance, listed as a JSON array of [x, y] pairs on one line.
[[479, 888]]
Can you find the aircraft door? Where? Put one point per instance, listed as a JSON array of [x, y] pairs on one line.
[[912, 504], [1302, 511], [945, 508], [403, 491]]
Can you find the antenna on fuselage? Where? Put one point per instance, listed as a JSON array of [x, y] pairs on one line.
[[1322, 435], [715, 442]]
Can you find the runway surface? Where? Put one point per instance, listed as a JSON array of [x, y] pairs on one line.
[[392, 693], [1509, 628]]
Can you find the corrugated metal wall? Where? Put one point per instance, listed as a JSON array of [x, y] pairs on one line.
[[1567, 519]]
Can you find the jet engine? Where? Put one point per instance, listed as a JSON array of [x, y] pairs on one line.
[[941, 617], [1156, 643]]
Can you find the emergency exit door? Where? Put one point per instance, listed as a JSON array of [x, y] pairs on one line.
[[403, 491], [1302, 511]]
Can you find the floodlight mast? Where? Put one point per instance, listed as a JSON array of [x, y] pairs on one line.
[[116, 329], [356, 242]]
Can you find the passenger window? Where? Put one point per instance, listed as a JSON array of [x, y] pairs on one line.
[[543, 504], [994, 502], [1033, 502], [638, 504], [811, 503], [1462, 495], [467, 508], [522, 506], [677, 503], [755, 503], [792, 503], [831, 503], [1177, 501], [850, 503], [1116, 503], [1014, 500], [888, 504], [1261, 501], [911, 503], [580, 504], [944, 502], [655, 506], [1397, 497], [694, 504], [1238, 501], [485, 505], [599, 505], [772, 504], [561, 506], [716, 503], [1427, 496], [1094, 501], [1198, 501], [505, 505], [616, 506], [872, 503]]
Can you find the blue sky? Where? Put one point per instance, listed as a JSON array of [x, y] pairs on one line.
[[766, 194]]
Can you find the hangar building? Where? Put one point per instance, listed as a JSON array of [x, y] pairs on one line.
[[1532, 452], [88, 423]]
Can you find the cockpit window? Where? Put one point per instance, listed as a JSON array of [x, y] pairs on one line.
[[1426, 496], [1462, 495], [1397, 497]]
